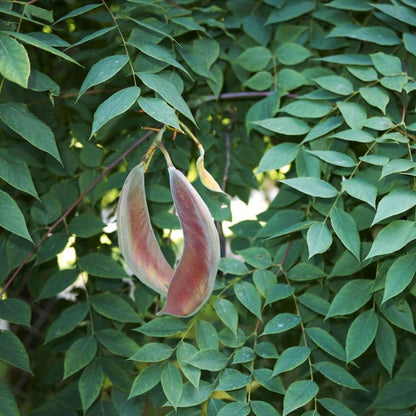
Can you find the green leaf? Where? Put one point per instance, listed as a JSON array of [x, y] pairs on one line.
[[336, 84], [11, 218], [292, 53], [264, 280], [47, 210], [15, 311], [264, 377], [147, 379], [167, 91], [15, 171], [376, 97], [172, 385], [338, 375], [79, 354], [278, 156], [77, 12], [278, 292], [57, 283], [247, 294], [351, 297], [307, 108], [8, 402], [164, 326], [93, 35], [14, 61], [395, 202], [386, 345], [152, 352], [335, 407], [318, 238], [158, 52], [117, 342], [90, 384], [114, 307], [211, 360], [67, 321], [397, 166], [160, 111], [399, 393], [227, 312], [334, 158], [232, 266], [231, 379], [388, 65], [409, 42], [399, 12], [193, 374], [284, 125], [322, 128], [359, 136], [399, 276], [12, 351], [366, 74], [261, 408], [260, 81], [314, 303], [102, 71], [206, 336], [100, 265], [399, 314], [192, 396], [354, 114], [32, 40], [243, 355], [361, 334], [305, 271], [116, 104], [281, 322], [361, 189], [85, 226], [289, 12], [257, 257], [234, 409], [326, 342], [52, 246], [392, 237], [346, 229], [266, 350], [291, 358], [254, 59], [18, 118], [298, 394], [312, 186]]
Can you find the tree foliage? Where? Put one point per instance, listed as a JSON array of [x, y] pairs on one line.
[[313, 308]]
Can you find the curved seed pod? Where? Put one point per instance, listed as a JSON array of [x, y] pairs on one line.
[[206, 178], [194, 276], [136, 238]]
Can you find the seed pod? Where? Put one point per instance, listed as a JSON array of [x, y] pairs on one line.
[[136, 238], [206, 178], [194, 276]]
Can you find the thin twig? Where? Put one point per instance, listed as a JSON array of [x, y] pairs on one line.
[[72, 207]]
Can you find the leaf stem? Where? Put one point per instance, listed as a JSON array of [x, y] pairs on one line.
[[71, 208], [123, 40]]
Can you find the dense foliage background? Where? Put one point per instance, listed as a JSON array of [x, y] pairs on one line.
[[313, 310]]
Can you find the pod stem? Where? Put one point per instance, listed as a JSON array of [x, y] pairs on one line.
[[147, 157], [165, 154], [193, 137]]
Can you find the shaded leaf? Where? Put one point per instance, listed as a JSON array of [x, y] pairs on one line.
[[281, 322], [346, 229], [12, 351], [146, 380], [338, 374], [15, 311], [152, 352], [101, 265], [318, 238], [284, 125], [278, 156], [361, 334], [211, 360], [227, 312], [18, 118], [79, 354], [90, 384], [163, 326], [361, 189], [14, 61], [326, 342], [116, 104], [247, 294], [114, 307], [291, 358], [298, 394], [172, 385]]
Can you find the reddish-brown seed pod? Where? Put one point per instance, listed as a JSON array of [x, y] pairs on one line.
[[136, 238], [194, 276]]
